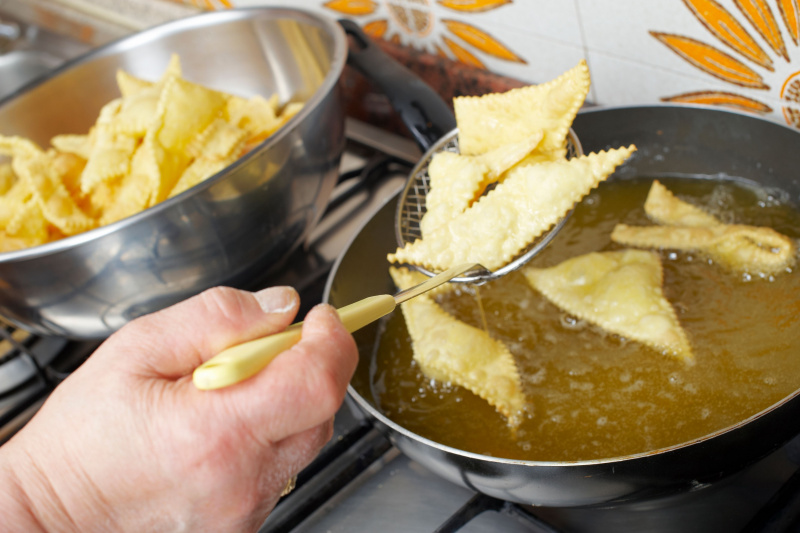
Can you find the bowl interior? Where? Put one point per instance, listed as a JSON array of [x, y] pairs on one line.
[[245, 52]]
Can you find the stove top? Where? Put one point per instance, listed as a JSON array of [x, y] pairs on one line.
[[360, 482]]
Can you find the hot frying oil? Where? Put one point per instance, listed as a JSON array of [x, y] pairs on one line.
[[596, 395]]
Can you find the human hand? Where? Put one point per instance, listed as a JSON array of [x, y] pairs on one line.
[[128, 443]]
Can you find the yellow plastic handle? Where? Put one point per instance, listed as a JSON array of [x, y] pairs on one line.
[[242, 361]]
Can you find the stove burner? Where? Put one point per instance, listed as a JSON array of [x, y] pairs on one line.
[[24, 356]]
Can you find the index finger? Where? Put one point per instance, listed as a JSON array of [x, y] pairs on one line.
[[188, 333]]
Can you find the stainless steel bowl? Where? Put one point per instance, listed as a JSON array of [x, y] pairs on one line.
[[231, 229]]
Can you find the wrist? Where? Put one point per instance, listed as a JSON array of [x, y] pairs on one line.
[[16, 506]]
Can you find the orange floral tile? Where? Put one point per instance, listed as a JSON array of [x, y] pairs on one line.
[[745, 49], [416, 23]]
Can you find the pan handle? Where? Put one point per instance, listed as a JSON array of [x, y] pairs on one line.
[[422, 110]]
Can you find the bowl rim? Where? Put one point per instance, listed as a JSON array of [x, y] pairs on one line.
[[193, 22]]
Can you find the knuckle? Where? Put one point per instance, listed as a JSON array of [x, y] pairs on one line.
[[329, 391], [323, 433], [224, 301], [312, 441]]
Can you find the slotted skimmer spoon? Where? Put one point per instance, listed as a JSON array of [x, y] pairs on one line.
[[411, 208], [425, 114], [242, 361]]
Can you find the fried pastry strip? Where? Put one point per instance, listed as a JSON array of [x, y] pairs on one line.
[[489, 121], [619, 291], [59, 208], [450, 350], [456, 180], [738, 247], [735, 246], [665, 208], [506, 220], [41, 178]]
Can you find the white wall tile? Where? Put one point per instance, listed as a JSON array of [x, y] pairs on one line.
[[545, 58], [648, 84], [553, 19], [628, 64], [621, 27]]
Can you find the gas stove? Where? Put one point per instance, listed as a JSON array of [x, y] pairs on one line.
[[361, 481]]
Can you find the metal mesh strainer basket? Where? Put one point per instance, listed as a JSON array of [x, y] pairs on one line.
[[411, 208]]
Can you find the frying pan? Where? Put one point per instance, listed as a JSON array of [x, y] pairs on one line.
[[671, 139]]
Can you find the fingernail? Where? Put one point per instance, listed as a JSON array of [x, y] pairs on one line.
[[277, 299], [328, 310]]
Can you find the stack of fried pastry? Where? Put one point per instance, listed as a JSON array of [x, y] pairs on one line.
[[513, 145], [158, 139]]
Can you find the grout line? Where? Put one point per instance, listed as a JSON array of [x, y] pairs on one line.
[[110, 11], [585, 47]]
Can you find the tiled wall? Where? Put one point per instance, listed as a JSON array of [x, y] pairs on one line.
[[740, 53]]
